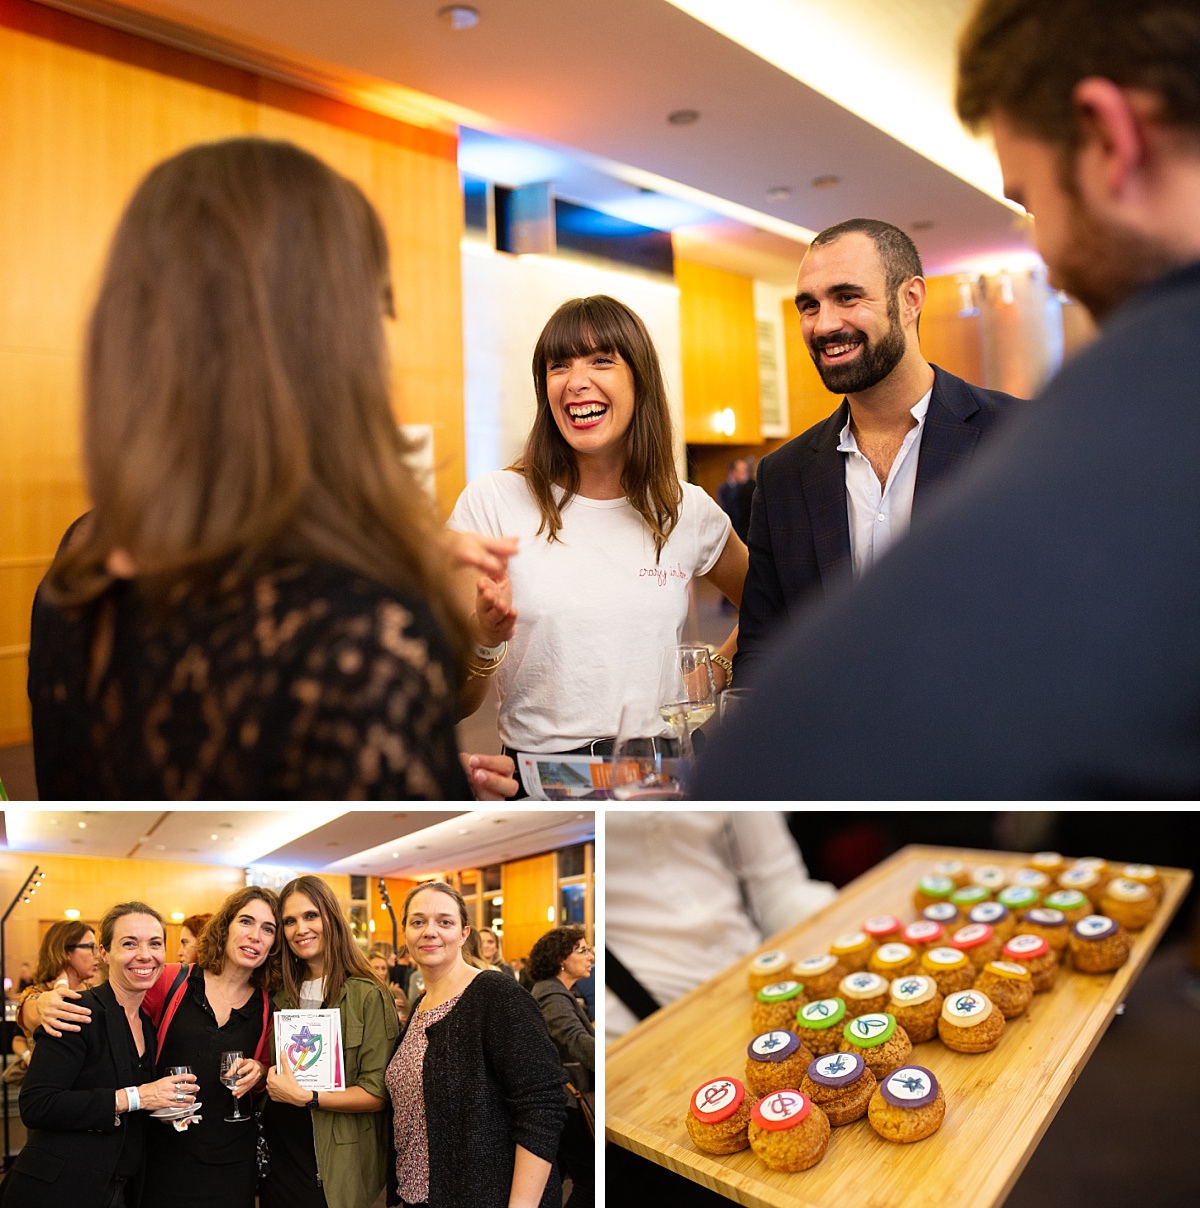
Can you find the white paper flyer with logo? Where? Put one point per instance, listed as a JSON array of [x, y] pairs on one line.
[[309, 1043]]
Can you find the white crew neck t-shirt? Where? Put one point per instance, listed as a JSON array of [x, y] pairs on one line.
[[595, 609]]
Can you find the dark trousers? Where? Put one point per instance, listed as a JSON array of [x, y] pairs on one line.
[[577, 1160]]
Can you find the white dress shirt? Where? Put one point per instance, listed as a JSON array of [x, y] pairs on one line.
[[688, 893], [880, 517]]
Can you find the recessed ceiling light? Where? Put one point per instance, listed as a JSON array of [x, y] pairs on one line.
[[498, 821], [923, 224], [160, 847], [779, 193], [81, 825], [826, 182], [683, 117], [80, 841], [422, 846], [333, 845], [53, 821], [459, 16], [213, 837], [462, 830], [395, 855]]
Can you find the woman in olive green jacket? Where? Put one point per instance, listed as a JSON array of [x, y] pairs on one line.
[[329, 1149]]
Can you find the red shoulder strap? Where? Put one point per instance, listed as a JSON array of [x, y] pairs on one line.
[[174, 997]]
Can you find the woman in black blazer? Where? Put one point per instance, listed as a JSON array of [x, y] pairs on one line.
[[85, 1096]]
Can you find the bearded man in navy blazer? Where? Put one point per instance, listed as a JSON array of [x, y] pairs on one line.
[[834, 499]]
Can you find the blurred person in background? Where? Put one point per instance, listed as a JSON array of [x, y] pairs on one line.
[[557, 962], [189, 933], [493, 953], [714, 884]]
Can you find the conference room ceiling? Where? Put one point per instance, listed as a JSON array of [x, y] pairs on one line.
[[602, 76], [395, 841]]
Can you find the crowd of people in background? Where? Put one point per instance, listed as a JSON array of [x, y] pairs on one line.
[[445, 1052]]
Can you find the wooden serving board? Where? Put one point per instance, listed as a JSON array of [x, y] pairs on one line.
[[998, 1104]]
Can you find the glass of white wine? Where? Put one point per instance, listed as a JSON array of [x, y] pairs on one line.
[[686, 688], [230, 1064], [651, 767]]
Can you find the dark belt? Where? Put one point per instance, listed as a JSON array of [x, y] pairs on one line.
[[598, 747]]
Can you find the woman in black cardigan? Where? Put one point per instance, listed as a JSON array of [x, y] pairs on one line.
[[85, 1096], [476, 1085]]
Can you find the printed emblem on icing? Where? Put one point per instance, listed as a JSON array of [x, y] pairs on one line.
[[769, 962], [836, 1069], [940, 912], [914, 990], [910, 1086], [1091, 863], [881, 924], [717, 1100], [1095, 927], [990, 877], [823, 1013], [1007, 969], [1046, 859], [944, 956], [936, 887], [1030, 877], [972, 936], [1065, 899], [782, 1109], [1139, 872], [1046, 916], [947, 868], [1026, 945], [776, 1045], [1074, 877], [1125, 890], [988, 912], [967, 1008], [968, 894], [863, 985], [893, 954], [779, 991], [923, 931], [867, 1031], [1016, 896], [815, 965], [856, 939]]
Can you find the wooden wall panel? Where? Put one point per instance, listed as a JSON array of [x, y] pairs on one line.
[[398, 890], [808, 400], [719, 341], [529, 892], [949, 339], [93, 885], [87, 111]]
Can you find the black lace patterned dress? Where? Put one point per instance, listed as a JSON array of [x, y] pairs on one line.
[[308, 681]]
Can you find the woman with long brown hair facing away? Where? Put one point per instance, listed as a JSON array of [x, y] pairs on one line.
[[610, 540], [476, 1087], [257, 604], [329, 1148]]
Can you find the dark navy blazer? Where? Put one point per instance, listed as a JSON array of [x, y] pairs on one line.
[[799, 530]]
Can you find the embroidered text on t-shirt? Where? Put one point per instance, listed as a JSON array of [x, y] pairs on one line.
[[661, 574]]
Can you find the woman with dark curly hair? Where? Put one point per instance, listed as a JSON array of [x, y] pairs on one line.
[[558, 960]]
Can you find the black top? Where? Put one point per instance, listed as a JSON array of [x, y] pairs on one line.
[[194, 1038], [77, 1142], [1037, 635], [307, 682], [492, 1081]]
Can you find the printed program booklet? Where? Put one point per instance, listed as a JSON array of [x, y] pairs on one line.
[[309, 1043]]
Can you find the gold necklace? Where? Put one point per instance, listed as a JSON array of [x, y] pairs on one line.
[[232, 1006]]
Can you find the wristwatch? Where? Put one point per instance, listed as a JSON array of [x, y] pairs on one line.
[[722, 661], [315, 1101]]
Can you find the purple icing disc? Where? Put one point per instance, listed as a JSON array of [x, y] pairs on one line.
[[1095, 927], [910, 1086], [776, 1045], [836, 1069]]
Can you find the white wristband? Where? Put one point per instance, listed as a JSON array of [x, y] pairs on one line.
[[490, 653], [135, 1100]]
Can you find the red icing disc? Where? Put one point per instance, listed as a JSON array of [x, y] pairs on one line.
[[780, 1110], [717, 1100]]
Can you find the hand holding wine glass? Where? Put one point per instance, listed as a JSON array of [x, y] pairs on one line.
[[231, 1063], [686, 688]]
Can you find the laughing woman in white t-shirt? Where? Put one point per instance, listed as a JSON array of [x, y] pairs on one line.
[[609, 541]]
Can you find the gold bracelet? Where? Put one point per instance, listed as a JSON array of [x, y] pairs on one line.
[[483, 670], [722, 661]]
